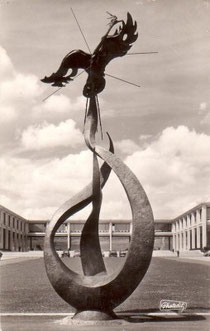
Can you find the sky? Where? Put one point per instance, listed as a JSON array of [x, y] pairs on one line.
[[161, 129]]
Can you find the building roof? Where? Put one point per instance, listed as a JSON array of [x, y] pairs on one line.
[[115, 221], [160, 221], [12, 213], [164, 221], [207, 204]]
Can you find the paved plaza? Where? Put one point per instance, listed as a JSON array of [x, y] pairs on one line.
[[29, 303], [135, 322]]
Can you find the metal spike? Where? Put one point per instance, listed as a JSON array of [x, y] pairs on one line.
[[129, 22]]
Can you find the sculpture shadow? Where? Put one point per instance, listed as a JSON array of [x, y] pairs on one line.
[[143, 317]]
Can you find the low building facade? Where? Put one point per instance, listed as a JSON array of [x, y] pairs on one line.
[[113, 234], [191, 230], [13, 231]]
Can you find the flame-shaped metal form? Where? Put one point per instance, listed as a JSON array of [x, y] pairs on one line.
[[96, 290], [110, 47], [96, 293]]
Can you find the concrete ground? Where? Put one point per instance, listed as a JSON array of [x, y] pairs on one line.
[[130, 322]]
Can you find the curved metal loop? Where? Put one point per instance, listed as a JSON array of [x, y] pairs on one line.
[[107, 291], [101, 291]]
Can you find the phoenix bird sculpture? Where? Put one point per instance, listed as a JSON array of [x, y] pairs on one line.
[[96, 293], [110, 47]]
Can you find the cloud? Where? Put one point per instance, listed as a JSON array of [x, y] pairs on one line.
[[127, 146], [206, 120], [18, 92], [145, 136], [30, 124], [6, 66], [21, 86], [30, 186], [60, 104], [205, 113], [174, 170], [203, 106], [15, 87], [56, 103], [46, 135], [35, 189], [8, 114]]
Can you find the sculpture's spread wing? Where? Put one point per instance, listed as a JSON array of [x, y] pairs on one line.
[[74, 60], [125, 36], [111, 46], [120, 42]]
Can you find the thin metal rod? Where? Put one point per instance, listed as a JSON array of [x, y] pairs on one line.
[[138, 53], [81, 31], [86, 108], [123, 80], [99, 117], [52, 93], [79, 74], [61, 87], [142, 53]]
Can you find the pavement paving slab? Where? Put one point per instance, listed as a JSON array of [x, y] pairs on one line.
[[175, 322]]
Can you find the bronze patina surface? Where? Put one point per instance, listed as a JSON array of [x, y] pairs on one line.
[[95, 293], [110, 47]]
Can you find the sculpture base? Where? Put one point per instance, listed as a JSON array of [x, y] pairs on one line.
[[94, 315]]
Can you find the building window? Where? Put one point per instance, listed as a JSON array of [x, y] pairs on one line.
[[208, 213], [4, 218], [178, 242], [195, 218], [119, 227], [195, 238], [190, 239], [17, 224], [36, 227], [201, 237], [9, 220], [200, 213], [61, 229], [186, 239], [13, 222]]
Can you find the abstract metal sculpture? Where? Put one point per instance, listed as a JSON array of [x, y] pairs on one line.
[[110, 46], [95, 293]]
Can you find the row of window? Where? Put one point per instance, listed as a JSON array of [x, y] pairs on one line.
[[77, 227], [189, 220], [192, 219], [13, 222], [12, 241], [103, 227], [194, 241]]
